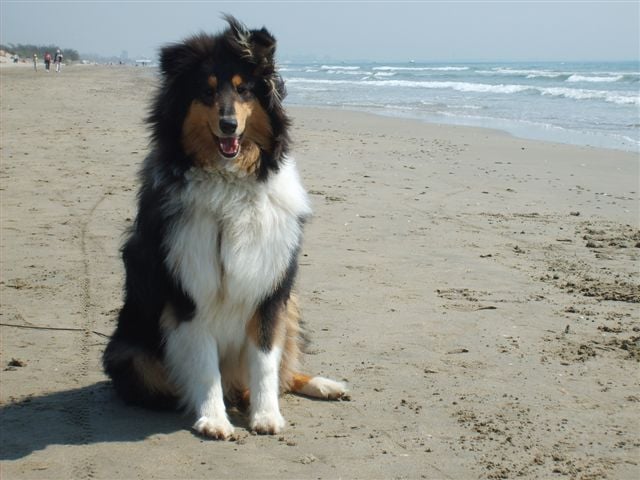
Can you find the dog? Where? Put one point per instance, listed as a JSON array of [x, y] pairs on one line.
[[210, 315]]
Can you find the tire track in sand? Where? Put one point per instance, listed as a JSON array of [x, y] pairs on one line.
[[85, 468]]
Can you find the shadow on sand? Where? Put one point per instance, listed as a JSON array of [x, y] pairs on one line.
[[80, 416]]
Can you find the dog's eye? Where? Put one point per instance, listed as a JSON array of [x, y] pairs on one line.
[[207, 94], [243, 89]]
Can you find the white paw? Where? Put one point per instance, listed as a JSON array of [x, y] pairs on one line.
[[321, 387], [218, 428], [267, 423]]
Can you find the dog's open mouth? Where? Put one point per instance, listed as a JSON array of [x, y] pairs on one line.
[[229, 146]]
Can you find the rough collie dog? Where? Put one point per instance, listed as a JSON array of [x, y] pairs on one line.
[[209, 314]]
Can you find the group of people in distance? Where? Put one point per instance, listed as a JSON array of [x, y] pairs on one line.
[[57, 60]]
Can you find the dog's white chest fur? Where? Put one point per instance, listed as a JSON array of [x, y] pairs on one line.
[[234, 243]]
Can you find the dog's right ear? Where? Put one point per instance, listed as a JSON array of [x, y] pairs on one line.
[[263, 45]]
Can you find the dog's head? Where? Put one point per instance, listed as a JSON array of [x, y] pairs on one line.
[[221, 101]]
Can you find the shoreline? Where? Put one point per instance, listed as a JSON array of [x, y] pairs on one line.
[[491, 130], [524, 129], [510, 128], [477, 291]]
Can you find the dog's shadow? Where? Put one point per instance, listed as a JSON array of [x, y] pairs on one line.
[[81, 416]]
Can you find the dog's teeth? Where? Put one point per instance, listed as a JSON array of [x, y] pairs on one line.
[[230, 145]]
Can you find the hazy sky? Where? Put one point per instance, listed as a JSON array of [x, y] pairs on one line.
[[338, 30]]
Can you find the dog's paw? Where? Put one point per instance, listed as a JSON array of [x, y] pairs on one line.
[[219, 428], [267, 423], [326, 388]]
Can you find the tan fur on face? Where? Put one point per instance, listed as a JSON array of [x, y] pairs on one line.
[[198, 134], [236, 81], [249, 159], [200, 131], [258, 127]]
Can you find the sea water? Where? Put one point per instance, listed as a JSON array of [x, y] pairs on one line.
[[595, 104]]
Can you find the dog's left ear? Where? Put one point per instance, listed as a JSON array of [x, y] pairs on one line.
[[263, 47]]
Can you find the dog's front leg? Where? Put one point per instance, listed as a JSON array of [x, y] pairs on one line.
[[192, 357], [264, 366]]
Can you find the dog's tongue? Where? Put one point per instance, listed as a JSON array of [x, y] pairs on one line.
[[229, 146]]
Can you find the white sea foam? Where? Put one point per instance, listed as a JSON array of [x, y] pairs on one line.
[[339, 67], [459, 86], [547, 75], [582, 78], [515, 71], [384, 74], [571, 76], [583, 94], [471, 87], [347, 72], [573, 93], [629, 74], [530, 74], [422, 69]]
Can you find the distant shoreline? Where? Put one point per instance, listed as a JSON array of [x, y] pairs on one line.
[[508, 127]]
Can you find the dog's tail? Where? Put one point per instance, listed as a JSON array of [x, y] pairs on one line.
[[317, 387], [291, 380], [299, 384]]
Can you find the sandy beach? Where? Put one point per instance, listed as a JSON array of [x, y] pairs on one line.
[[480, 294]]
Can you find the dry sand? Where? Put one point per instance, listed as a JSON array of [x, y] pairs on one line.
[[478, 292]]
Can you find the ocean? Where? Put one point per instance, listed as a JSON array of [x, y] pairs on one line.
[[595, 104]]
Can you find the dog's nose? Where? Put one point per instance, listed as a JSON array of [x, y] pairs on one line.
[[228, 125]]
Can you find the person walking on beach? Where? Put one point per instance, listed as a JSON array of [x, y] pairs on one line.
[[58, 61], [47, 61], [35, 62]]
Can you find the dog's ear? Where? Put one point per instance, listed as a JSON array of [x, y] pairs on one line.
[[179, 58], [263, 46], [257, 46], [176, 59]]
